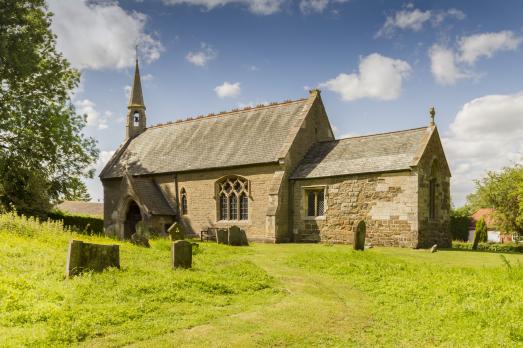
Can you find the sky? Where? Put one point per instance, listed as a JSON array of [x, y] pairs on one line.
[[380, 65]]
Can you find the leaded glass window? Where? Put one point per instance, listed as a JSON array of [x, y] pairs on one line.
[[315, 202], [244, 207], [184, 202], [234, 198]]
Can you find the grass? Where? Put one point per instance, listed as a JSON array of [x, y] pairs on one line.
[[263, 295]]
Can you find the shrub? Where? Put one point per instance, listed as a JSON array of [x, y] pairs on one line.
[[493, 247], [481, 235], [84, 224]]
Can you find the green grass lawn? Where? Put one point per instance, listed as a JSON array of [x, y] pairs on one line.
[[263, 295]]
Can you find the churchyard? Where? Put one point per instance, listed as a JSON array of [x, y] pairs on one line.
[[258, 295]]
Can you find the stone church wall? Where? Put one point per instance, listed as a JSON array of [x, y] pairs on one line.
[[202, 200], [437, 230], [386, 202]]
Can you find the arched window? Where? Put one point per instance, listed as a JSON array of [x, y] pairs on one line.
[[233, 193], [136, 118], [183, 202], [432, 190]]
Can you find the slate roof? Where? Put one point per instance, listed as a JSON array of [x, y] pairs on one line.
[[366, 154], [248, 136], [150, 194]]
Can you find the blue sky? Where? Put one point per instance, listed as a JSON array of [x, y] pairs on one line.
[[379, 64]]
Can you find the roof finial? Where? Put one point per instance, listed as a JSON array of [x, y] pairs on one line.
[[432, 113]]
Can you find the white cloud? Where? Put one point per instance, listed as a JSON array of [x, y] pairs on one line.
[[203, 56], [94, 119], [379, 77], [405, 19], [414, 19], [127, 91], [443, 66], [261, 7], [309, 6], [445, 62], [486, 44], [228, 90], [486, 134], [147, 77], [101, 35]]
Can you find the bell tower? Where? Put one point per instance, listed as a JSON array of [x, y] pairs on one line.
[[136, 120]]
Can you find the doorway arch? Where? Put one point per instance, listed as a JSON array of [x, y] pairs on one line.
[[132, 217]]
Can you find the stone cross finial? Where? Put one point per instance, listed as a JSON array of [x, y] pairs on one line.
[[432, 112]]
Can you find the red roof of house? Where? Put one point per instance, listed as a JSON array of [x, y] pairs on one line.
[[487, 214]]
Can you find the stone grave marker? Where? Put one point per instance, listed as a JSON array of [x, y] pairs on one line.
[[359, 236], [181, 251], [434, 248], [84, 256], [140, 237], [222, 236], [176, 232], [237, 236]]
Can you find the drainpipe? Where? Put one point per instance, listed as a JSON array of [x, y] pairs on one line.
[[177, 205]]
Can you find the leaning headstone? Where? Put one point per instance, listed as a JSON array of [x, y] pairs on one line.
[[181, 252], [90, 257], [237, 236], [222, 236], [359, 236], [176, 232], [140, 240], [434, 248]]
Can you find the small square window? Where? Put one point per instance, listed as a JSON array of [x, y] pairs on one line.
[[315, 202]]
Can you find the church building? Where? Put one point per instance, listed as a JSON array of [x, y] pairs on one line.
[[278, 172]]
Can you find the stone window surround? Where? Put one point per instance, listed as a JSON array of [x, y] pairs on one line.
[[305, 190], [183, 202], [246, 189]]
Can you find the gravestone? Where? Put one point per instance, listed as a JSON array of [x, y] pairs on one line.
[[237, 236], [434, 248], [181, 252], [83, 256], [222, 236], [176, 232], [359, 236], [140, 237]]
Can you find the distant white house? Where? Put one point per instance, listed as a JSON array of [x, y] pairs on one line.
[[494, 234]]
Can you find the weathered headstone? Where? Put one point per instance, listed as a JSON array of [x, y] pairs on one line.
[[176, 232], [222, 236], [141, 236], [359, 236], [83, 256], [140, 240], [434, 248], [181, 251], [237, 236]]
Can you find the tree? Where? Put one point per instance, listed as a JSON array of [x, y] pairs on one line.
[[43, 151], [77, 191], [481, 234], [502, 191]]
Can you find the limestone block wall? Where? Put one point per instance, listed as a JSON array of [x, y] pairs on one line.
[[387, 202], [202, 201], [434, 230]]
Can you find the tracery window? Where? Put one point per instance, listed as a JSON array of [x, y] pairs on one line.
[[184, 202], [233, 195]]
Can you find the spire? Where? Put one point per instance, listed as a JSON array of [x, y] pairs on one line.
[[136, 98], [432, 113]]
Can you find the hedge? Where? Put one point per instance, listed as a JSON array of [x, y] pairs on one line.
[[493, 247], [84, 224], [459, 227]]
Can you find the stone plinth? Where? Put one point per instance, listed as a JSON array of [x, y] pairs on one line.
[[90, 257], [222, 236]]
